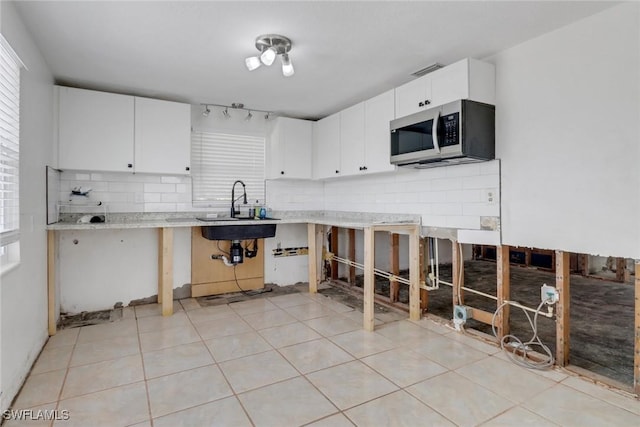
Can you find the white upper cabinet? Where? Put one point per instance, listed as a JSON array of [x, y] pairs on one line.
[[162, 137], [364, 136], [352, 139], [99, 131], [95, 130], [289, 149], [465, 79], [379, 111], [326, 147]]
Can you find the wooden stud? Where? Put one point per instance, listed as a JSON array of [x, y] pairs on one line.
[[352, 255], [562, 308], [482, 316], [414, 274], [51, 281], [457, 272], [334, 250], [527, 257], [621, 264], [583, 264], [394, 262], [369, 290], [636, 358], [165, 270], [503, 289], [314, 255], [423, 266]]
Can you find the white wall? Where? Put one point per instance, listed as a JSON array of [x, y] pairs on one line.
[[568, 132], [24, 290], [452, 196]]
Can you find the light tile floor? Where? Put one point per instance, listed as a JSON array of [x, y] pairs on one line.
[[298, 359]]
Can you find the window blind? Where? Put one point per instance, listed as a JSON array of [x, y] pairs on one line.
[[218, 160], [9, 144]]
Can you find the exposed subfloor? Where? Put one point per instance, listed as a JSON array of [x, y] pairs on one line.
[[294, 359], [602, 313]]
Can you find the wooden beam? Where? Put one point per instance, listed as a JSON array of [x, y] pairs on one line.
[[394, 263], [369, 290], [503, 289], [621, 264], [165, 270], [51, 281], [352, 255], [481, 316], [583, 264], [636, 358], [457, 275], [414, 274], [334, 250], [562, 308]]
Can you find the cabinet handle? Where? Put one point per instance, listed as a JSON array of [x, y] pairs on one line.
[[337, 171], [420, 104], [129, 165], [364, 168], [187, 168], [281, 172], [427, 102]]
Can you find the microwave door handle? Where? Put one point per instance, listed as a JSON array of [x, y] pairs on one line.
[[436, 145]]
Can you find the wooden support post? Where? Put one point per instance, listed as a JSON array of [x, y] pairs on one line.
[[527, 257], [423, 265], [394, 263], [165, 270], [583, 264], [369, 290], [334, 250], [620, 266], [562, 308], [503, 289], [51, 281], [457, 272], [314, 242], [352, 255], [414, 274], [636, 358]]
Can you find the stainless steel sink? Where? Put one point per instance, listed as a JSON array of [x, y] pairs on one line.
[[238, 231]]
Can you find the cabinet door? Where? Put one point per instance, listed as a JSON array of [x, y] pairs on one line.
[[275, 158], [326, 147], [413, 96], [95, 130], [163, 136], [298, 136], [352, 140], [450, 83], [379, 111]]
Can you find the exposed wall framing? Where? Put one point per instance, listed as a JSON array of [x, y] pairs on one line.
[[562, 309]]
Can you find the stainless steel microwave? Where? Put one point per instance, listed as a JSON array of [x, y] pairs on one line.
[[459, 132]]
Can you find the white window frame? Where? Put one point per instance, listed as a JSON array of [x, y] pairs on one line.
[[218, 160], [10, 67]]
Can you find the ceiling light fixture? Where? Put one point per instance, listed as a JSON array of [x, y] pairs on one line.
[[270, 46], [235, 106]]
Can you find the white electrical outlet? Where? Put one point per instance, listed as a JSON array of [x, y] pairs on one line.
[[491, 196], [549, 294]]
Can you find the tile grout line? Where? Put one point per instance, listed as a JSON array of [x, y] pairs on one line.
[[144, 372]]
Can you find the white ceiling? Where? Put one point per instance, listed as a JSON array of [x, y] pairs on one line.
[[343, 52]]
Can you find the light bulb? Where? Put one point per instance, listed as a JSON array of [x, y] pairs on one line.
[[287, 66], [268, 56], [252, 62]]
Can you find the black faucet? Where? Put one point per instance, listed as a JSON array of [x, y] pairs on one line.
[[233, 197]]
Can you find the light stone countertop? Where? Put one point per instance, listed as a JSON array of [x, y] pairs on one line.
[[356, 220]]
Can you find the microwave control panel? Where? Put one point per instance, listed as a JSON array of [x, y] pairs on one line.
[[451, 130]]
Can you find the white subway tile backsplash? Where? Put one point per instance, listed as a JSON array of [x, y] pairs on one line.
[[159, 207], [96, 177], [152, 197], [446, 184], [82, 177], [182, 188], [463, 170], [434, 221], [481, 181], [481, 209], [447, 208], [130, 187], [159, 188], [170, 180], [490, 168], [463, 221]]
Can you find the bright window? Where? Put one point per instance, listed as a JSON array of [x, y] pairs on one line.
[[218, 160], [9, 155]]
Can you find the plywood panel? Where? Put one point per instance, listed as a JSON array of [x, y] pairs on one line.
[[216, 288], [205, 270]]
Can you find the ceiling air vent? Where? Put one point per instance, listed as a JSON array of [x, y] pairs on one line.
[[427, 70]]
